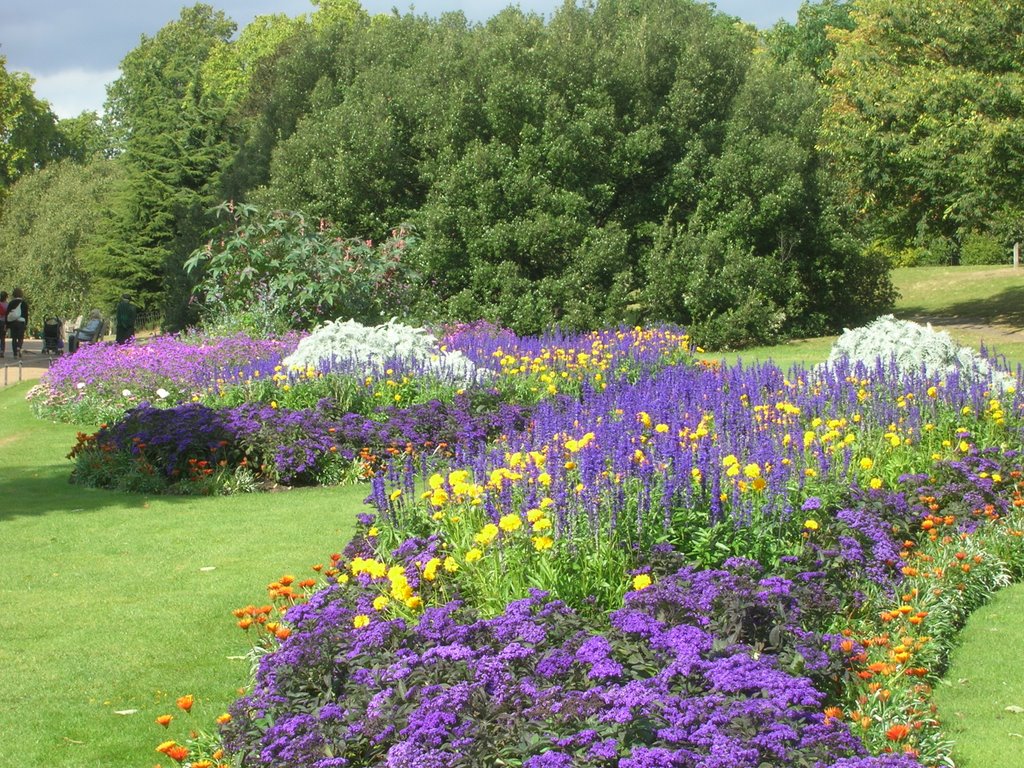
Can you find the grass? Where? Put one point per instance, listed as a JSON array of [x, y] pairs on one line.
[[981, 699], [121, 603]]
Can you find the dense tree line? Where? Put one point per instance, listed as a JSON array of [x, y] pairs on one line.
[[623, 161]]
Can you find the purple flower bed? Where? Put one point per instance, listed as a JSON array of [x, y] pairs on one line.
[[661, 684]]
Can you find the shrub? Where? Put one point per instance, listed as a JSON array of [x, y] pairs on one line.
[[355, 348], [914, 349], [277, 271], [980, 248]]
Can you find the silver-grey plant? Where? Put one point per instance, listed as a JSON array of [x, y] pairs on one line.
[[914, 348], [352, 347]]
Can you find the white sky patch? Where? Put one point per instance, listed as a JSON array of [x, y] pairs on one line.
[[73, 91]]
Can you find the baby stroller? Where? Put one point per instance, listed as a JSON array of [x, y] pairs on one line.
[[53, 336]]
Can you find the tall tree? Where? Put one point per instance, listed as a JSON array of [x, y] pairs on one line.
[[926, 121], [173, 138]]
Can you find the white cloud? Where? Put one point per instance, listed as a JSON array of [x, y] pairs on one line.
[[72, 91]]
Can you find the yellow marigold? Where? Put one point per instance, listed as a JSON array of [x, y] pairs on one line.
[[430, 569], [875, 482], [510, 522], [641, 581], [361, 620], [450, 564], [534, 515], [542, 524], [811, 525], [486, 535], [473, 555], [866, 463], [752, 471], [414, 602], [380, 602], [540, 543]]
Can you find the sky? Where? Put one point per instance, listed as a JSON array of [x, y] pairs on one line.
[[72, 49]]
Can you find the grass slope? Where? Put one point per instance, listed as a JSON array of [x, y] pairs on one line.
[[981, 700], [119, 602]]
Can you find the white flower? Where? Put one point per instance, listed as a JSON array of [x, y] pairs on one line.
[[126, 392], [80, 385], [162, 393]]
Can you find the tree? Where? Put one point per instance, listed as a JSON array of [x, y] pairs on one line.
[[926, 120], [28, 135], [52, 228], [173, 137]]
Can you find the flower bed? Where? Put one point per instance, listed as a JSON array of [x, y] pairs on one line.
[[614, 555]]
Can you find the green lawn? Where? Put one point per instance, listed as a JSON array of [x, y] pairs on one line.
[[117, 602], [981, 699]]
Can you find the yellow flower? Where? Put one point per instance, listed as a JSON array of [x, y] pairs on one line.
[[510, 522], [752, 471], [534, 515], [540, 543], [875, 482], [541, 524], [450, 564], [395, 494], [361, 620], [430, 569], [641, 581], [811, 525], [473, 555], [933, 392], [486, 535], [866, 463], [380, 602], [415, 602]]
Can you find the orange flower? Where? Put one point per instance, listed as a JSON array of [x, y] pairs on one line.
[[202, 763], [186, 702], [898, 732], [177, 752], [165, 720], [222, 719]]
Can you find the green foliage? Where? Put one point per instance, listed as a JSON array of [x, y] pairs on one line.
[[925, 122], [271, 272], [980, 248], [28, 134]]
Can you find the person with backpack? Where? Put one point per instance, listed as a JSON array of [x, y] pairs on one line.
[[3, 322], [17, 320]]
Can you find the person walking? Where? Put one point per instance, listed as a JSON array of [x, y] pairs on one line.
[[3, 323], [17, 320], [125, 319]]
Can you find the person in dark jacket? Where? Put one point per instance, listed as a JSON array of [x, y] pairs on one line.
[[125, 319], [17, 320]]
